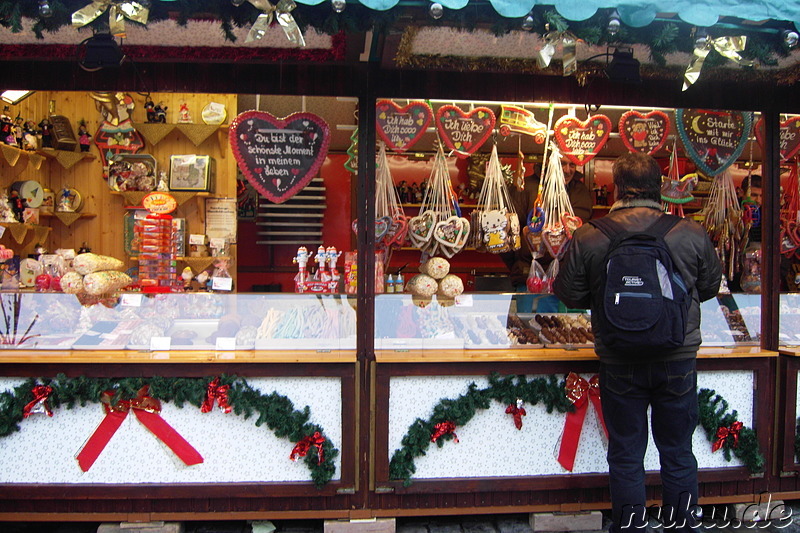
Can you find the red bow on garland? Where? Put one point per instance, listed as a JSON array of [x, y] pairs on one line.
[[579, 392], [517, 411], [443, 428], [724, 432], [215, 391], [41, 393], [147, 410], [301, 448]]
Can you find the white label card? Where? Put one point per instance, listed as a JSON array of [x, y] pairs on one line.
[[226, 343], [464, 300], [197, 238], [160, 344], [131, 299], [221, 284]]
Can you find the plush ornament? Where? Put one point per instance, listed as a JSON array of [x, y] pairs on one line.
[[422, 285], [436, 267]]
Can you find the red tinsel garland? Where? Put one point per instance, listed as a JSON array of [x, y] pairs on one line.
[[301, 448], [443, 428], [41, 393]]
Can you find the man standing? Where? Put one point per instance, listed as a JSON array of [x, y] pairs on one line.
[[664, 380]]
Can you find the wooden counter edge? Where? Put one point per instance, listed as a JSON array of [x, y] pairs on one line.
[[177, 356]]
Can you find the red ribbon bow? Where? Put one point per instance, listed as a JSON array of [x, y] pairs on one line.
[[301, 448], [579, 392], [443, 428], [215, 391], [147, 410], [724, 432], [517, 411], [41, 393]]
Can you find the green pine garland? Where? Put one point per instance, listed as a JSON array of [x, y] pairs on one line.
[[550, 391], [274, 410]]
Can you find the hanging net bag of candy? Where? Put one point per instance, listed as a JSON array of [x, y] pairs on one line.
[[495, 225], [439, 229]]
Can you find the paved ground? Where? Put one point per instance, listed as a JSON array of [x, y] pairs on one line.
[[512, 523]]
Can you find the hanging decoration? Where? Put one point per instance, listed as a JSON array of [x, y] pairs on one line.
[[569, 44], [352, 153], [713, 416], [116, 134], [517, 412], [580, 392], [722, 219], [401, 127], [40, 402], [676, 190], [272, 410], [514, 119], [559, 218], [464, 133], [442, 429], [279, 156], [118, 11], [147, 410], [391, 222], [789, 130], [552, 393], [790, 222], [724, 433], [215, 392], [713, 139], [645, 133], [439, 228], [728, 47], [495, 225], [302, 448], [580, 141], [284, 17]]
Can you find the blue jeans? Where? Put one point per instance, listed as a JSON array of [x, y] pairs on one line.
[[670, 389]]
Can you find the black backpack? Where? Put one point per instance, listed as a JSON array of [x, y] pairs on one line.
[[645, 300]]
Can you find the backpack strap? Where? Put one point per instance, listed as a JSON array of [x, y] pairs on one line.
[[610, 228], [663, 224]]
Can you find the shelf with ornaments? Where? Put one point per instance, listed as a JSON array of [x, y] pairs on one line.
[[155, 132], [66, 158]]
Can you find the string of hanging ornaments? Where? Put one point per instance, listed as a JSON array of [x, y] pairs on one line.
[[495, 225]]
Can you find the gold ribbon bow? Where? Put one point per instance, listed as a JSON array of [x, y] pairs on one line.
[[569, 45], [118, 11], [728, 47], [284, 16]]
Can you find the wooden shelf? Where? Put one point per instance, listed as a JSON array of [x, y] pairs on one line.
[[65, 158], [82, 215]]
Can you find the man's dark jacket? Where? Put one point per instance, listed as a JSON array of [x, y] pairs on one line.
[[578, 284]]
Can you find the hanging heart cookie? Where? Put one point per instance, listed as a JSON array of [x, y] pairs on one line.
[[579, 141], [713, 139], [452, 234], [420, 228], [570, 223], [789, 136], [463, 132], [279, 157], [401, 127], [554, 239], [398, 229], [645, 133]]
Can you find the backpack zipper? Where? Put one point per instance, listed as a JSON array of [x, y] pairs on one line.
[[630, 295]]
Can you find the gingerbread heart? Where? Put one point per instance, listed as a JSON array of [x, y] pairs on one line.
[[401, 127], [789, 136], [554, 239], [570, 223], [534, 241], [398, 229], [381, 227], [579, 141], [713, 139], [449, 231], [420, 228], [645, 133], [463, 132], [279, 157]]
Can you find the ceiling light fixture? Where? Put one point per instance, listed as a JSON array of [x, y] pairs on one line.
[[614, 23], [14, 97], [623, 66], [436, 10], [98, 52], [338, 5]]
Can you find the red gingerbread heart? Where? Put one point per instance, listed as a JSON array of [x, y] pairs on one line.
[[579, 141], [401, 127], [279, 156], [789, 136], [645, 133], [463, 132]]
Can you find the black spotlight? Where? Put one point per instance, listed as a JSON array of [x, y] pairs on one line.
[[623, 67], [98, 52]]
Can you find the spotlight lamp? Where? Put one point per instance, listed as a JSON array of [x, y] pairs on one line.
[[436, 10], [45, 11], [790, 38], [338, 5], [614, 23], [527, 22]]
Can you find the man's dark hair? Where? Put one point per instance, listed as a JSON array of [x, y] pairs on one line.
[[637, 176], [751, 181]]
